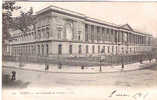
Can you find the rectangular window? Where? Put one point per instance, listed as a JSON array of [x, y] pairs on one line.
[[29, 49], [93, 49], [39, 34], [47, 49], [79, 35], [70, 49], [59, 34], [32, 49], [86, 49], [112, 49], [80, 49], [42, 50], [98, 48], [47, 32], [43, 33], [38, 49], [26, 49]]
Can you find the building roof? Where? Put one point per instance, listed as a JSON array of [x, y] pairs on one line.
[[55, 8], [66, 11]]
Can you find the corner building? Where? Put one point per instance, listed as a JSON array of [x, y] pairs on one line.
[[63, 32]]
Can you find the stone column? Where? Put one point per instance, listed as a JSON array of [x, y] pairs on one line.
[[86, 32], [103, 35], [89, 33], [133, 39], [92, 33], [95, 33], [100, 34], [136, 39], [122, 37], [117, 36], [114, 34], [109, 33], [127, 37]]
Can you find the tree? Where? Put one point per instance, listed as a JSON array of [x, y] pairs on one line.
[[8, 7], [24, 21]]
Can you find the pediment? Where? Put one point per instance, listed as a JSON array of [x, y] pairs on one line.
[[127, 26]]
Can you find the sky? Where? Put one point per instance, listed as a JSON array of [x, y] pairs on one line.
[[141, 16]]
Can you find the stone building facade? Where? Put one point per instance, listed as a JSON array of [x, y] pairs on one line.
[[63, 32]]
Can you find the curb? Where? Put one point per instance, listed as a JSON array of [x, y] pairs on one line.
[[139, 68]]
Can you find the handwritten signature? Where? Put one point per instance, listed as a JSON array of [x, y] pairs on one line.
[[135, 96]]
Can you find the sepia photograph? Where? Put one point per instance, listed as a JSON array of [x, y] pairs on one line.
[[79, 50]]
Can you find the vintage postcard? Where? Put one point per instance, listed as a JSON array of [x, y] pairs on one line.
[[79, 50]]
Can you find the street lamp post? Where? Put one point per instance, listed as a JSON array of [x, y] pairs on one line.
[[100, 69], [122, 58], [59, 62], [100, 59]]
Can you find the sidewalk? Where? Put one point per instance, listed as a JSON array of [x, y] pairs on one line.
[[77, 69]]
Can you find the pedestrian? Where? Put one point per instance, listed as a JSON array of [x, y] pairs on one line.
[[60, 66], [150, 60], [141, 61], [82, 67], [46, 67], [13, 75]]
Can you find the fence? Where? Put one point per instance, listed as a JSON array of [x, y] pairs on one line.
[[81, 61]]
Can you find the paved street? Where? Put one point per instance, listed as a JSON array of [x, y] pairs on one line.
[[39, 85], [138, 78]]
